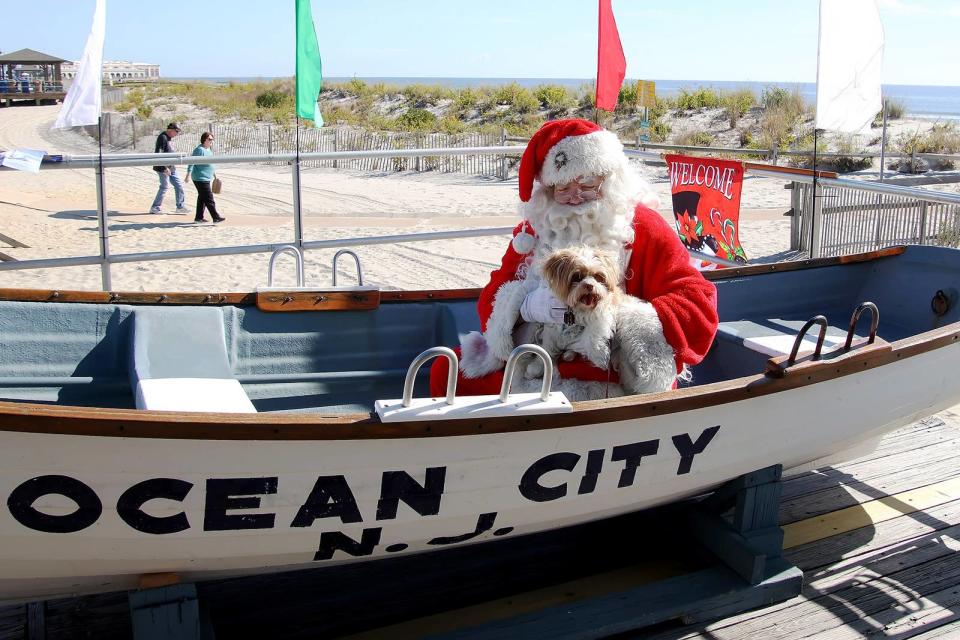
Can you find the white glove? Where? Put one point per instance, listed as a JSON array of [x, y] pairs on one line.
[[541, 305]]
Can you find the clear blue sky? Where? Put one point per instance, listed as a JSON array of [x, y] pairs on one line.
[[759, 40]]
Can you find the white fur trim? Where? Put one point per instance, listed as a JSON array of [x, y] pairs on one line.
[[574, 390], [506, 310], [592, 154], [646, 361], [476, 357]]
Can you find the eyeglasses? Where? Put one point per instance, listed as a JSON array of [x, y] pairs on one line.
[[579, 189]]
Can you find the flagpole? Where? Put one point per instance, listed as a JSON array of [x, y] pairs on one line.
[[105, 279], [883, 139], [297, 209]]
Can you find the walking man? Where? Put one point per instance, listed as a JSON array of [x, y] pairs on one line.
[[168, 173]]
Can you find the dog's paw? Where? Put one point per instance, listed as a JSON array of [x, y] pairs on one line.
[[476, 357], [534, 369], [568, 356]]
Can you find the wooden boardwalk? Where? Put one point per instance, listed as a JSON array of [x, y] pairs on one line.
[[875, 537]]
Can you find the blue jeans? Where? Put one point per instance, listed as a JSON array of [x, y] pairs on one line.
[[177, 188]]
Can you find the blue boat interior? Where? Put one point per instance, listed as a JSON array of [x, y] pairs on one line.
[[335, 363]]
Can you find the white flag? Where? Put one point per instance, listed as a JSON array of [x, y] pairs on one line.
[[83, 101], [849, 62]]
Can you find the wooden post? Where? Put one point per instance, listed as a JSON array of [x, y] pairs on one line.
[[776, 154], [269, 139], [923, 222], [133, 130], [503, 159], [336, 145], [796, 204], [816, 223], [419, 142]]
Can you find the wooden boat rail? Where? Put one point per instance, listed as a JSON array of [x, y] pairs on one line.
[[27, 417], [39, 418]]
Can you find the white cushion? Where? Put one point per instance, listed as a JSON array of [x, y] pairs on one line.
[[781, 345], [193, 394]]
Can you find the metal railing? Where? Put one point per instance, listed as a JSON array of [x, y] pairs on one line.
[[811, 228], [105, 259], [20, 89], [839, 216]]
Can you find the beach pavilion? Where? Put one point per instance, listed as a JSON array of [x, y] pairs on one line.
[[30, 75]]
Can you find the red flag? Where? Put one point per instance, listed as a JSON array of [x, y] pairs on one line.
[[611, 64]]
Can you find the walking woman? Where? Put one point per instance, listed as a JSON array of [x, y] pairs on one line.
[[203, 175]]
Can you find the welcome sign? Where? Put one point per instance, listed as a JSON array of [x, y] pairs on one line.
[[706, 206]]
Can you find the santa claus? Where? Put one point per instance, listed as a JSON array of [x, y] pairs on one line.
[[578, 188]]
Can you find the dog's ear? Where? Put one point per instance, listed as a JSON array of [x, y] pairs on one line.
[[610, 264], [557, 269]]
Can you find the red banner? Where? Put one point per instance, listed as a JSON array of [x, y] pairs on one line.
[[706, 206]]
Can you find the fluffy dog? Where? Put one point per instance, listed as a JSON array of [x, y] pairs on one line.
[[611, 329], [585, 280]]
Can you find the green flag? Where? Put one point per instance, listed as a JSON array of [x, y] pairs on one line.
[[309, 68]]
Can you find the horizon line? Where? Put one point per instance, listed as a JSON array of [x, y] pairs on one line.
[[359, 77]]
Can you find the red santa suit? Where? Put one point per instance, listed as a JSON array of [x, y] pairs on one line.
[[672, 319]]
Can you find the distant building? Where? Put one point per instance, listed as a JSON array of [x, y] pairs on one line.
[[119, 71]]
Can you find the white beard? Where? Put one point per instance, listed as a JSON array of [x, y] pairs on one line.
[[599, 224]]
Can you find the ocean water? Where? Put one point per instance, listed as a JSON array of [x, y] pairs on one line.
[[923, 101]]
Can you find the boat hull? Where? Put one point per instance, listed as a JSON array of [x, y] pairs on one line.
[[87, 513]]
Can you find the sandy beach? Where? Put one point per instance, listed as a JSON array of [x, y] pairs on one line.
[[54, 213]]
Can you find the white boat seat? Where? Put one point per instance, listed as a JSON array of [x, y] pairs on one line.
[[179, 362], [775, 337]]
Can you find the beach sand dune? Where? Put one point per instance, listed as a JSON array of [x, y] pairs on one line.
[[54, 213]]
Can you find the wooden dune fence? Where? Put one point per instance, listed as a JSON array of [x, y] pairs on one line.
[[126, 132]]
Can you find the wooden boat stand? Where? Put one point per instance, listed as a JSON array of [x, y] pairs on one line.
[[751, 573]]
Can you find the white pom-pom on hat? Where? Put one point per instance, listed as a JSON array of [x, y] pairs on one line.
[[523, 242]]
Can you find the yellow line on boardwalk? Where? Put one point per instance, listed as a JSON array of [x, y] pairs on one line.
[[867, 513]]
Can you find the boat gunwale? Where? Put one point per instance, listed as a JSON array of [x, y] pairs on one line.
[[386, 297], [133, 423]]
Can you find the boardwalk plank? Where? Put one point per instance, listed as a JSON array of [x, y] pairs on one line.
[[869, 539], [902, 473], [944, 632], [866, 606], [846, 573]]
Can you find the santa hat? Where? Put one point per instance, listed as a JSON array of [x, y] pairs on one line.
[[563, 150]]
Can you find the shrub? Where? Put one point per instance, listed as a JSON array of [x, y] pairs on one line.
[[790, 103], [895, 111], [941, 138], [416, 119], [701, 98], [144, 111], [695, 139], [520, 99], [423, 94], [555, 97], [449, 124], [466, 99], [737, 103], [848, 163], [356, 86], [660, 109], [270, 99], [659, 131], [776, 129]]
